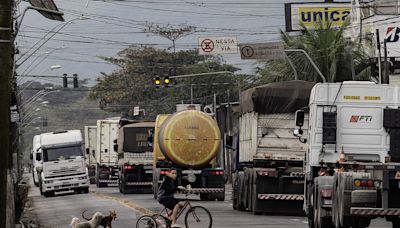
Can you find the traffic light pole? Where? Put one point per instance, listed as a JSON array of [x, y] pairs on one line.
[[5, 75]]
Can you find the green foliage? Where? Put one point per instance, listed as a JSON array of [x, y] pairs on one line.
[[132, 85], [329, 49]]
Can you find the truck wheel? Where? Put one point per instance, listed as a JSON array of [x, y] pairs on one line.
[[361, 222], [40, 188], [320, 219], [246, 189], [254, 197], [85, 190], [204, 197], [156, 176], [396, 222], [122, 185], [235, 191], [48, 194], [241, 206]]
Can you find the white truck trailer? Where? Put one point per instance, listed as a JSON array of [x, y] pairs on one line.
[[36, 158], [353, 157], [269, 174], [135, 156], [90, 149], [106, 157], [63, 166]]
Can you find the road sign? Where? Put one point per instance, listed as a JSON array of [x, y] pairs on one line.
[[273, 50], [136, 111], [218, 45]]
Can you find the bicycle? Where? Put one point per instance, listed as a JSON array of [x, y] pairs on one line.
[[200, 215]]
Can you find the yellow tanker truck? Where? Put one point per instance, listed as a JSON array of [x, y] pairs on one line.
[[189, 141]]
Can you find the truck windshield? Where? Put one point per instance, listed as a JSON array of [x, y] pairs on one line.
[[62, 153]]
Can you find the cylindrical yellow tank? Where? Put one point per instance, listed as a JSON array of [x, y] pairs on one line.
[[189, 138]]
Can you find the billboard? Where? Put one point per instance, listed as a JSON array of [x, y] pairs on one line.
[[311, 13]]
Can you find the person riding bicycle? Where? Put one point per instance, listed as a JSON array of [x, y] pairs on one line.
[[166, 197]]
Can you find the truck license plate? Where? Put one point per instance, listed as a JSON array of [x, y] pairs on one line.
[[149, 171]]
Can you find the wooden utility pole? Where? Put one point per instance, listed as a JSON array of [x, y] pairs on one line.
[[5, 74]]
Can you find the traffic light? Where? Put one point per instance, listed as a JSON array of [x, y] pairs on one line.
[[65, 81], [75, 76], [157, 81], [166, 81]]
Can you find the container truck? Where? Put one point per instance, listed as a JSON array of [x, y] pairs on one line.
[[36, 158], [353, 158], [269, 161], [90, 149], [106, 157], [189, 140], [135, 156], [63, 164]]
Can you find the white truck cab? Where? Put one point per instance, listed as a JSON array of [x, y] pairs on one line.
[[63, 166], [352, 163]]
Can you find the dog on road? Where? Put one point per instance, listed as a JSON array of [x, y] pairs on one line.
[[106, 221], [94, 222]]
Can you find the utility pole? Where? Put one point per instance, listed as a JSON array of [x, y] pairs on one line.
[[5, 74]]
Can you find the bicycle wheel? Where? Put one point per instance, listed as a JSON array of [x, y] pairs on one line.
[[199, 217], [146, 221]]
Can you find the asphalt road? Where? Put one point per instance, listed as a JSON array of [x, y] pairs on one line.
[[58, 211]]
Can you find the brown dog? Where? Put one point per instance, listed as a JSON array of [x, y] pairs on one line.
[[106, 221]]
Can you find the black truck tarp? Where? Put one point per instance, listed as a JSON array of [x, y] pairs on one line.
[[279, 97]]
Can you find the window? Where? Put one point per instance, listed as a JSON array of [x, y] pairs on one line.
[[62, 153]]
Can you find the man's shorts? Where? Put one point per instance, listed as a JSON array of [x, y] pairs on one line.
[[169, 202]]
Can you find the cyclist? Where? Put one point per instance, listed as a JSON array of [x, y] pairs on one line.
[[166, 197]]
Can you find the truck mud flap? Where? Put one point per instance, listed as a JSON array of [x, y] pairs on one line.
[[206, 190], [364, 211], [293, 197], [139, 183]]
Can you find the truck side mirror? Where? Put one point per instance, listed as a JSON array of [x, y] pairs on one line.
[[229, 141], [87, 151], [299, 118], [31, 156], [116, 147]]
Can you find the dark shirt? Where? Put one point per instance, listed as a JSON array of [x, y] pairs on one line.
[[167, 188]]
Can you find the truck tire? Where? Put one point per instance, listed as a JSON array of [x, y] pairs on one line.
[[85, 190], [122, 185], [48, 194], [396, 222], [361, 222], [235, 191], [204, 197], [246, 189], [320, 219], [240, 205], [156, 176], [310, 210]]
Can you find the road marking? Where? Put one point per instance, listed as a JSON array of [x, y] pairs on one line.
[[126, 203]]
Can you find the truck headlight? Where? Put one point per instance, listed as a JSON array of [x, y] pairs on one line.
[[82, 178], [48, 182]]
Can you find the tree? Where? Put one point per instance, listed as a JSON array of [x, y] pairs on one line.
[[132, 85], [337, 57]]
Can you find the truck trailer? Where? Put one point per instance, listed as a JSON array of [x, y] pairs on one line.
[[352, 163], [90, 149], [63, 164], [269, 174], [189, 140], [135, 156], [106, 157]]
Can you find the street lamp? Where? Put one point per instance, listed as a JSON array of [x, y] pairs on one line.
[[54, 33]]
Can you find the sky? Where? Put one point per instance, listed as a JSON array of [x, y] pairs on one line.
[[110, 26]]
